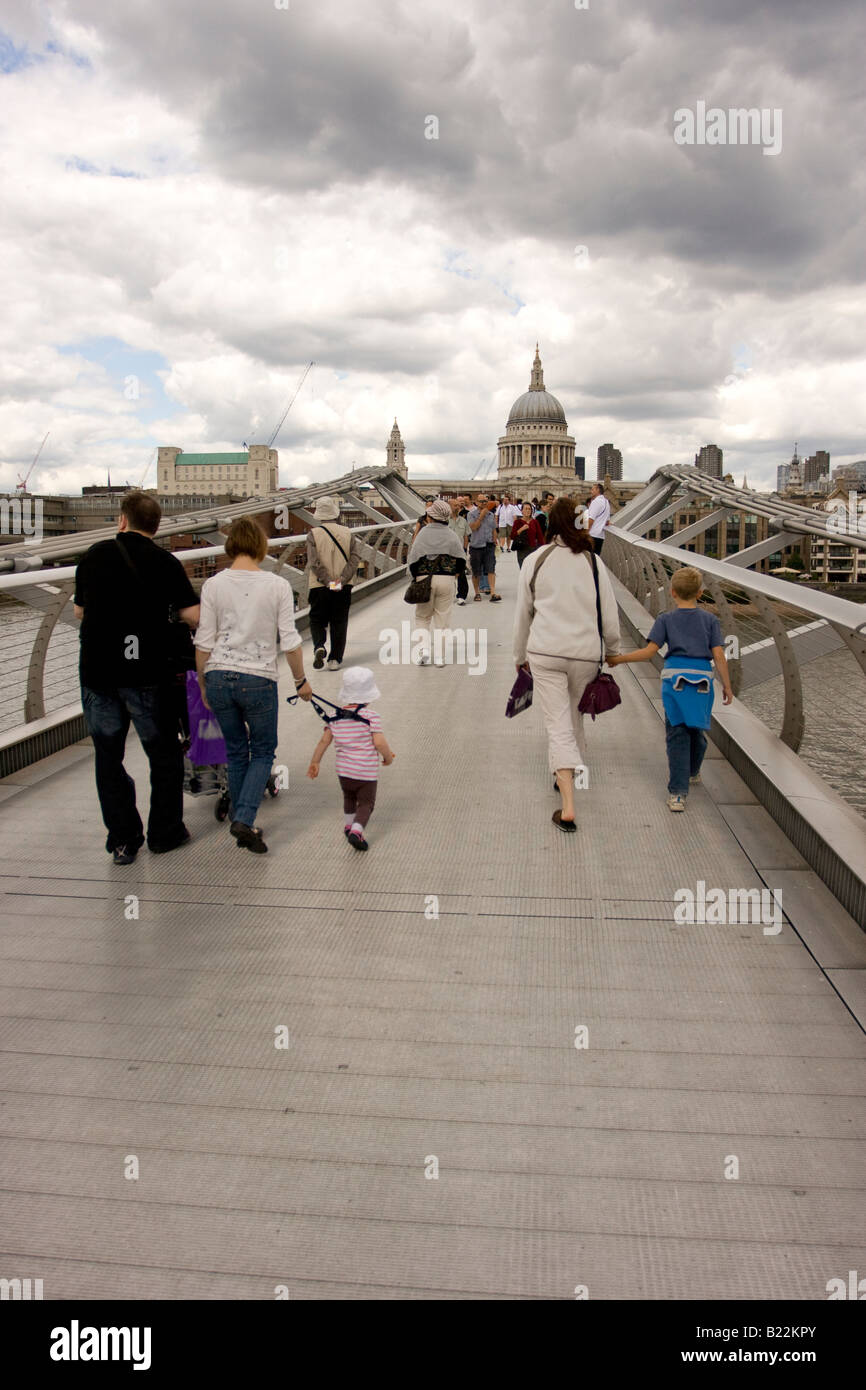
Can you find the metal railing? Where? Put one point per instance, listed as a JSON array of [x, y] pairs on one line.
[[751, 608], [39, 656], [809, 773]]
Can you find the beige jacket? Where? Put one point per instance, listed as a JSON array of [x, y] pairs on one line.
[[325, 563]]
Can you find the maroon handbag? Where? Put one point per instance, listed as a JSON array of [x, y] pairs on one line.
[[602, 693]]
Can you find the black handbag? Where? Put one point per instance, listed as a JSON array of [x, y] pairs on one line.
[[420, 590]]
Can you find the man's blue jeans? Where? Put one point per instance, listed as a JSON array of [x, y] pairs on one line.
[[152, 709], [686, 749], [246, 707]]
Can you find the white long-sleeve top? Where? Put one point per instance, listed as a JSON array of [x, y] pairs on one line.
[[242, 611], [563, 621]]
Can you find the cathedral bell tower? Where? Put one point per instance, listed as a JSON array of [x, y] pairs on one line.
[[396, 453]]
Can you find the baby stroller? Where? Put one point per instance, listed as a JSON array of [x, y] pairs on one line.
[[204, 764]]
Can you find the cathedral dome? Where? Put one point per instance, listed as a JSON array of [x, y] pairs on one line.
[[537, 406], [536, 450]]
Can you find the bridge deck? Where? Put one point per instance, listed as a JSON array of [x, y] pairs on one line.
[[410, 1038]]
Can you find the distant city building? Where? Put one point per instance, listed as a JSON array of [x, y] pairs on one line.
[[832, 560], [580, 466], [108, 489], [709, 460], [608, 463], [816, 466], [851, 474], [98, 507], [253, 473], [536, 452]]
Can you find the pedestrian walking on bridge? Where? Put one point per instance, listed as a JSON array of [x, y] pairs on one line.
[[437, 552], [332, 562], [125, 591], [556, 638], [244, 610]]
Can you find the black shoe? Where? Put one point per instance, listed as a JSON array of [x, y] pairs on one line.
[[495, 598], [175, 844], [568, 826], [319, 658], [248, 837], [357, 841], [124, 854]]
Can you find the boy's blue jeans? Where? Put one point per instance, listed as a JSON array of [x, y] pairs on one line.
[[246, 707], [686, 749]]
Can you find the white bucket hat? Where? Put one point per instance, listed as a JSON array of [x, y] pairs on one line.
[[359, 687], [327, 509]]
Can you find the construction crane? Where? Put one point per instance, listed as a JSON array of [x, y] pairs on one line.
[[148, 468], [21, 485], [282, 419]]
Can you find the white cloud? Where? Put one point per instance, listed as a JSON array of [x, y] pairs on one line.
[[262, 194]]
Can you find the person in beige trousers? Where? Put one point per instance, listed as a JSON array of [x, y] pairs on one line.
[[556, 638], [438, 551]]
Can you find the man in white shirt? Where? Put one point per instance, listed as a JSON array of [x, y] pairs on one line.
[[502, 524], [599, 516]]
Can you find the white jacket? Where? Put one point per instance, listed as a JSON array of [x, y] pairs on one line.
[[563, 622]]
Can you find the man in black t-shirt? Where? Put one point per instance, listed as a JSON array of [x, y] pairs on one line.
[[124, 591]]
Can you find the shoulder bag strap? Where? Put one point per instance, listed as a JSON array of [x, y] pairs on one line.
[[592, 561], [543, 556], [336, 542]]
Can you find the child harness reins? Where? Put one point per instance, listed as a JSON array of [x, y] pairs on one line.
[[341, 712]]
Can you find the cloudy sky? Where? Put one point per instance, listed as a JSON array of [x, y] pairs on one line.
[[199, 198]]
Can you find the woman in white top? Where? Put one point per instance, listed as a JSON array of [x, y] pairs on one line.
[[556, 636], [243, 611]]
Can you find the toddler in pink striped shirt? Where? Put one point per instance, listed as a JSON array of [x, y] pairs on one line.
[[358, 741]]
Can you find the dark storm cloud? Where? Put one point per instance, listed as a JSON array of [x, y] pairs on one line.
[[554, 122]]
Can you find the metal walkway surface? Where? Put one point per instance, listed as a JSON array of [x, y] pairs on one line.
[[413, 1039]]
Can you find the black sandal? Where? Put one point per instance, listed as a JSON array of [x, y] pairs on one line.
[[568, 826]]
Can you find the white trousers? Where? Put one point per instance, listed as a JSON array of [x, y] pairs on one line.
[[437, 613], [559, 683]]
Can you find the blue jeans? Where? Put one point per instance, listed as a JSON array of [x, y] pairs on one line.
[[246, 707], [153, 709], [686, 749]]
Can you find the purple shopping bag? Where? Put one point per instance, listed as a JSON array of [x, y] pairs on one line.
[[206, 744], [521, 694]]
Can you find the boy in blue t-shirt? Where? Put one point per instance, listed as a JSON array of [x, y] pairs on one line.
[[694, 642]]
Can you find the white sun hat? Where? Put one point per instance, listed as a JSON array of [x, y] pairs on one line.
[[359, 687], [327, 509]]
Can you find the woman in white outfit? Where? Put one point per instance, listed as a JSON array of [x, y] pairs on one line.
[[437, 551], [556, 637]]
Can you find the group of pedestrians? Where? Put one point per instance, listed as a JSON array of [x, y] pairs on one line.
[[138, 608], [135, 603]]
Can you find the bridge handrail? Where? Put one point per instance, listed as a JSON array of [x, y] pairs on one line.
[[830, 607], [26, 579], [54, 589], [644, 567]]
